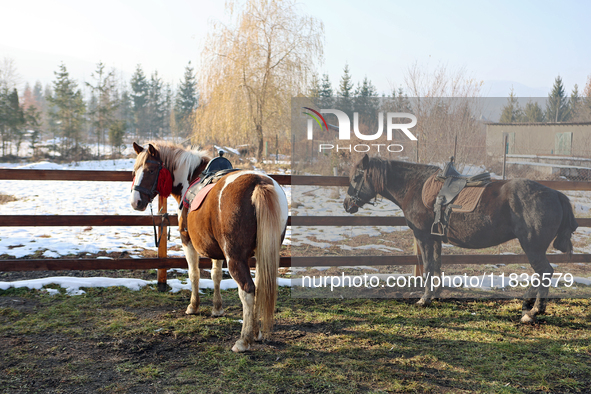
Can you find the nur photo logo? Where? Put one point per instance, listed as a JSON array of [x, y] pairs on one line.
[[344, 130]]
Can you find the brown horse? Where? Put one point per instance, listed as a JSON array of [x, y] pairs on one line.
[[244, 214], [519, 208]]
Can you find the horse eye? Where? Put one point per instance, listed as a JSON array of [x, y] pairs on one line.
[[151, 171]]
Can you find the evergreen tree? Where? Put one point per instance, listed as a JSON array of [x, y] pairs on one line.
[[345, 93], [156, 107], [67, 116], [557, 108], [32, 123], [186, 102], [402, 101], [314, 89], [125, 112], [575, 102], [326, 93], [187, 97], [38, 93], [11, 119], [139, 96], [366, 104], [511, 112], [533, 112], [105, 103]]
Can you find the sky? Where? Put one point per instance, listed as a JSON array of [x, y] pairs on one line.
[[523, 44]]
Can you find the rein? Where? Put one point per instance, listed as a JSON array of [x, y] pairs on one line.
[[163, 222]]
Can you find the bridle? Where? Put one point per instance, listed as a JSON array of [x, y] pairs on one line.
[[360, 196], [153, 191]]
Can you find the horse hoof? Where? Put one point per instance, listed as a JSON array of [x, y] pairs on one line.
[[191, 311], [217, 313], [527, 319], [424, 302], [240, 346]]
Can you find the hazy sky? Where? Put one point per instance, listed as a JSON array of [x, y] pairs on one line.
[[524, 43]]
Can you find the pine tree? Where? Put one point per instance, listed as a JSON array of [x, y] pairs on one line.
[[156, 107], [186, 102], [345, 93], [11, 119], [140, 95], [511, 112], [326, 93], [314, 88], [575, 102], [103, 112], [187, 97], [557, 109], [533, 112], [366, 103], [402, 101], [67, 116]]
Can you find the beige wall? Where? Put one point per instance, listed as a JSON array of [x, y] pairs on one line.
[[538, 139]]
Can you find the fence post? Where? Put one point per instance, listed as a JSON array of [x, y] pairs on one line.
[[418, 269], [162, 248], [505, 139]]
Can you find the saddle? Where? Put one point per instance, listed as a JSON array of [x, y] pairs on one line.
[[214, 171], [453, 184]]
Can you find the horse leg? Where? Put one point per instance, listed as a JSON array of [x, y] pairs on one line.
[[256, 329], [216, 276], [193, 261], [543, 268], [539, 262], [246, 290], [431, 252]]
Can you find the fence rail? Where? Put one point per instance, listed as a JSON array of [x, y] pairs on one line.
[[163, 262]]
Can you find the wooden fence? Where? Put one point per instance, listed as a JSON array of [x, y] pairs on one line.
[[163, 262]]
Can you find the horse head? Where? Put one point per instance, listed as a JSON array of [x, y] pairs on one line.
[[361, 187], [150, 177]]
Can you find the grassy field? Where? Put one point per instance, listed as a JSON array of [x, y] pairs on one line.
[[117, 340]]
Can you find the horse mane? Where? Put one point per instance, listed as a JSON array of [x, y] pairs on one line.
[[379, 168], [174, 156], [377, 171]]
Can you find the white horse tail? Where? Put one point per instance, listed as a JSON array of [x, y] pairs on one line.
[[268, 212]]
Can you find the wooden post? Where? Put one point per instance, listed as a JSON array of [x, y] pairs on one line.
[[505, 138], [162, 250], [418, 269]]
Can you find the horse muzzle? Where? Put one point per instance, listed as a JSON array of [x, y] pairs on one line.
[[349, 205]]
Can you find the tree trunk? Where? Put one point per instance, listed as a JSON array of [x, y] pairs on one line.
[[259, 135]]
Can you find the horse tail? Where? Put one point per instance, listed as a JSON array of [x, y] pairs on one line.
[[268, 212], [567, 226]]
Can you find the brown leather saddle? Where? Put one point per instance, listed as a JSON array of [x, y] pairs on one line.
[[453, 184], [214, 171]]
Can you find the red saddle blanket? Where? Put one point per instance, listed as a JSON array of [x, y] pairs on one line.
[[468, 198], [198, 200]]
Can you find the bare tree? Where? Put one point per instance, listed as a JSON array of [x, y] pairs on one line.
[[9, 77], [446, 104], [252, 68]]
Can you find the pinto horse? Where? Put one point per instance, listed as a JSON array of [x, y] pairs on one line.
[[519, 208], [244, 214]]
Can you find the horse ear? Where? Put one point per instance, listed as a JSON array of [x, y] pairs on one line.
[[365, 162], [138, 149], [153, 151]]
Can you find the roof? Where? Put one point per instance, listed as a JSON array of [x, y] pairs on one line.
[[540, 124]]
